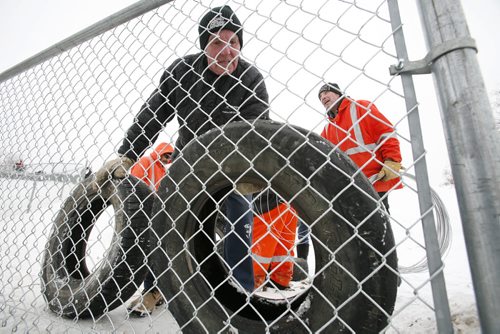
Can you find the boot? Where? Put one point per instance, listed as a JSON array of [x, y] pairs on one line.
[[146, 304], [303, 251]]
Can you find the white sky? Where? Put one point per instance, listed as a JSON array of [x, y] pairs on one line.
[[30, 26]]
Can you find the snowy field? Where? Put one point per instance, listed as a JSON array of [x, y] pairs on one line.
[[25, 227]]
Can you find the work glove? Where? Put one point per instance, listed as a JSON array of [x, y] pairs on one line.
[[389, 171], [113, 169]]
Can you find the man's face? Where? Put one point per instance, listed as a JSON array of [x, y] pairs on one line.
[[330, 100], [165, 158], [223, 51]]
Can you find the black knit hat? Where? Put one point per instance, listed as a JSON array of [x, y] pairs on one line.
[[217, 19], [330, 87]]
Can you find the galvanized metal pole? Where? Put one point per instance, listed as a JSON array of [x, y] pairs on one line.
[[439, 294], [473, 148]]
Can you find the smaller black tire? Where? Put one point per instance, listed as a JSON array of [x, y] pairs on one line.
[[69, 288]]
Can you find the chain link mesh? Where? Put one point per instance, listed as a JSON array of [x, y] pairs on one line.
[[66, 241]]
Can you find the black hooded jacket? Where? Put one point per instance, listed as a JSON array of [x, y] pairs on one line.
[[201, 100]]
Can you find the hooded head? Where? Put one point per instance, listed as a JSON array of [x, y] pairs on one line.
[[217, 19], [162, 149]]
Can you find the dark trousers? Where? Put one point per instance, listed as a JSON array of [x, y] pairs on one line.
[[236, 243], [238, 238]]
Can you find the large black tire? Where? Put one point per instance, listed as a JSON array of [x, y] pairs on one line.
[[356, 265], [70, 289]]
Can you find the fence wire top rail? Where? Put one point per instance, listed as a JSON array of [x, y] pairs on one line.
[[135, 10]]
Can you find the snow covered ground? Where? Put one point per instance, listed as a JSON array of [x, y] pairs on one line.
[[413, 299], [24, 231]]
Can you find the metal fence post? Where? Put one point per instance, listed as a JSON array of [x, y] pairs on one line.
[[439, 294], [473, 148]]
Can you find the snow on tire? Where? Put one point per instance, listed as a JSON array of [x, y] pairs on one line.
[[355, 288], [70, 288]]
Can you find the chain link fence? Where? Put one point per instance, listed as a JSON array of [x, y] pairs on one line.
[[218, 240]]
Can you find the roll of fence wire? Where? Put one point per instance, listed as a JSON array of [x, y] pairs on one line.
[[443, 230]]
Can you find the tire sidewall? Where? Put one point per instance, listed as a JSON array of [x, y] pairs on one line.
[[75, 292]]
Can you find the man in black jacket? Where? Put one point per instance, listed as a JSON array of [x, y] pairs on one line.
[[205, 90]]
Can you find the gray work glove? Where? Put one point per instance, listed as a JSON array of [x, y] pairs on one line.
[[113, 169]]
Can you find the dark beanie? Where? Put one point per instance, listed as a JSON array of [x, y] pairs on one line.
[[330, 87], [217, 19]]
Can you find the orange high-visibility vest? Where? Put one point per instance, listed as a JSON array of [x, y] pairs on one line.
[[150, 169], [361, 131]]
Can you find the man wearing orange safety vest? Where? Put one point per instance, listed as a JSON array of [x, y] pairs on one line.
[[151, 168], [273, 236], [360, 130]]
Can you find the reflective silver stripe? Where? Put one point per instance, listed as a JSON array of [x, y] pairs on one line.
[[282, 258], [360, 149], [355, 125], [358, 135], [386, 135], [153, 177], [261, 259], [268, 260]]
